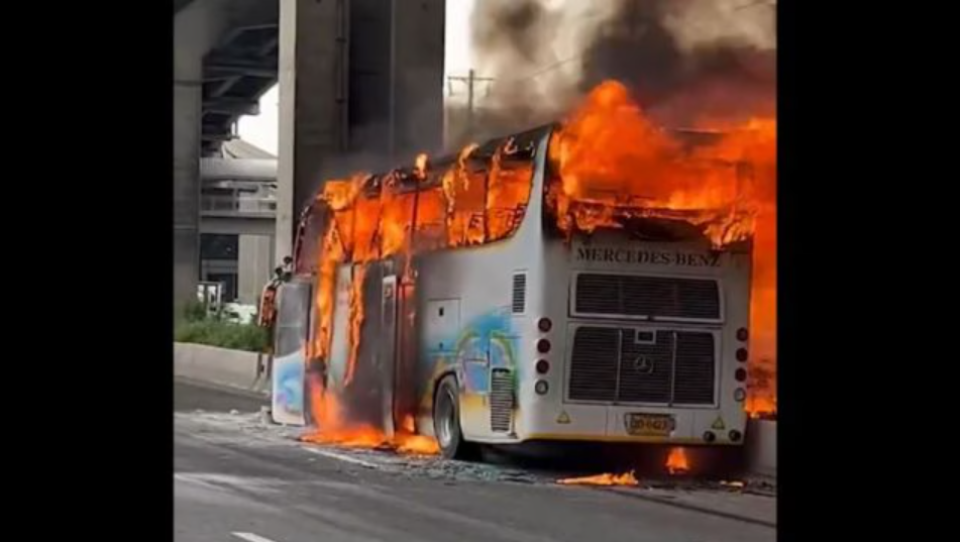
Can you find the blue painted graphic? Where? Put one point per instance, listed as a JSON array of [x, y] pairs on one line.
[[490, 336], [288, 375]]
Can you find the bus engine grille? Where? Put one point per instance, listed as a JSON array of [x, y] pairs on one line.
[[501, 400], [627, 365], [640, 296]]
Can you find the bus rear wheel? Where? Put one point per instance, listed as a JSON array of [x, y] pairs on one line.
[[446, 421]]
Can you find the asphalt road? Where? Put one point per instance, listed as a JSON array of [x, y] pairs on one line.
[[229, 486]]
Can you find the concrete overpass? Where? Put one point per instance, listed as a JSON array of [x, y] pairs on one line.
[[260, 218], [360, 80]]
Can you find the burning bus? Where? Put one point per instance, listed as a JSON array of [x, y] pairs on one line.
[[525, 291]]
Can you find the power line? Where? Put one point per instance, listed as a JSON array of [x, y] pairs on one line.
[[471, 80], [550, 67]]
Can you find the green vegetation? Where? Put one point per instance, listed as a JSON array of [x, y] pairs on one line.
[[197, 326]]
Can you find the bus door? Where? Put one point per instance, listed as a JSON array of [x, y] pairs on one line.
[[388, 349], [293, 306], [406, 375], [397, 350]]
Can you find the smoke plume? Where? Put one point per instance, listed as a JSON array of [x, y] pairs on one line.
[[684, 60]]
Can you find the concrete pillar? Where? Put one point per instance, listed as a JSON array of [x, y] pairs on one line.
[[254, 265], [186, 188], [419, 36], [196, 28], [313, 107], [361, 87]]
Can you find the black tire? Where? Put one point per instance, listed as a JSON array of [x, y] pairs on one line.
[[446, 421]]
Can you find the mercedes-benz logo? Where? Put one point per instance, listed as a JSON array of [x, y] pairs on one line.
[[643, 364]]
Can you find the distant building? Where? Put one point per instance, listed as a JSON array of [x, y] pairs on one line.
[[238, 184]]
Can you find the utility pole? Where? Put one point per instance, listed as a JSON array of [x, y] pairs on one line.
[[392, 97], [471, 80]]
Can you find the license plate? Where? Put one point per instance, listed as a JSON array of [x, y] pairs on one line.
[[649, 425]]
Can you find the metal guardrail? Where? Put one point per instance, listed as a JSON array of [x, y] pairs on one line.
[[230, 204]]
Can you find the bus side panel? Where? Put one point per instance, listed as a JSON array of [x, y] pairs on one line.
[[294, 301], [469, 330], [340, 342], [486, 348]]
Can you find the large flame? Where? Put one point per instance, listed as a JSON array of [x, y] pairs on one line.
[[333, 427], [612, 163]]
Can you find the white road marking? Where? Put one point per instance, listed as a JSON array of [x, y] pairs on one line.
[[250, 537], [342, 457]]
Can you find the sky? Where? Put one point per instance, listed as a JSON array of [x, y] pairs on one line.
[[261, 130]]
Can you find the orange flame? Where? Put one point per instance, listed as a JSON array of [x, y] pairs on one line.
[[613, 162], [464, 190], [408, 424], [331, 254], [677, 461], [420, 166], [417, 444], [332, 428], [356, 320], [353, 437], [607, 479], [508, 191]]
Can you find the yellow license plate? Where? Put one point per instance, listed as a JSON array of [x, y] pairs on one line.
[[649, 425]]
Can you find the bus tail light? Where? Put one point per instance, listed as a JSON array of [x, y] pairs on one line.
[[740, 395], [543, 366], [742, 354], [543, 346], [735, 436], [708, 436], [743, 334], [740, 374], [544, 325]]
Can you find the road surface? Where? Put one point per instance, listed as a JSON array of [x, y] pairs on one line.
[[232, 483]]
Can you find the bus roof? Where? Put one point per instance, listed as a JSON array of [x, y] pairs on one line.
[[526, 144]]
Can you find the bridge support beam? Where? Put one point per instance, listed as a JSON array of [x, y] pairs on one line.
[[186, 190], [361, 87], [254, 266], [312, 114]]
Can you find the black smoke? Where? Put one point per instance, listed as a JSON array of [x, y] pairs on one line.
[[724, 79], [512, 28], [639, 43]]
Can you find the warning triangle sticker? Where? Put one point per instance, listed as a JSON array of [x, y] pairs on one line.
[[563, 418], [718, 424]]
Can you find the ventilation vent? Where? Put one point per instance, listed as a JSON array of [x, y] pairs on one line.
[[519, 293], [501, 400], [638, 296]]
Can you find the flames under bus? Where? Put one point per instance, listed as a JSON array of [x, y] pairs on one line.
[[502, 329]]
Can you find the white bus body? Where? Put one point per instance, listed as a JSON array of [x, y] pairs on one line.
[[643, 336]]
